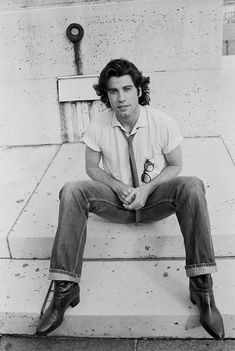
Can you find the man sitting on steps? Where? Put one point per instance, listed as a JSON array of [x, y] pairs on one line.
[[140, 151]]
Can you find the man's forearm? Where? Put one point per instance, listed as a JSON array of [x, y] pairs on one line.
[[167, 173], [101, 176]]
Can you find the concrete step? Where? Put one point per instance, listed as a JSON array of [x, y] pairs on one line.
[[21, 170], [127, 299], [33, 229]]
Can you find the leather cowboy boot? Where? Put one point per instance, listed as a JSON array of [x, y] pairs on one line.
[[65, 293], [201, 293]]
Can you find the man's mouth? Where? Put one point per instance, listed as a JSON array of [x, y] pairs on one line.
[[123, 107]]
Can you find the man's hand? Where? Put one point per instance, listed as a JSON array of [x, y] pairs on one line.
[[123, 192], [141, 194], [137, 198]]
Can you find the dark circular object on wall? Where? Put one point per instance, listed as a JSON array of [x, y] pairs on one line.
[[75, 32]]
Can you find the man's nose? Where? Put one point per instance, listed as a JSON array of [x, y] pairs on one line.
[[121, 96]]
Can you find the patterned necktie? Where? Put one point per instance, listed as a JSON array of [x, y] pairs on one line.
[[134, 173]]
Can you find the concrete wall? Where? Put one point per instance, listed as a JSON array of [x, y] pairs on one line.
[[178, 42]]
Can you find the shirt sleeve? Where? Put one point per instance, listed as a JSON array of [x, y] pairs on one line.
[[92, 136], [171, 136]]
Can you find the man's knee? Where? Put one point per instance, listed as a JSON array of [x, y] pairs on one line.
[[193, 187], [72, 187]]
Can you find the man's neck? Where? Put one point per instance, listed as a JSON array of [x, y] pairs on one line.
[[129, 122]]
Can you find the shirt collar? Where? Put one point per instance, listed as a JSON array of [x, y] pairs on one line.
[[141, 122]]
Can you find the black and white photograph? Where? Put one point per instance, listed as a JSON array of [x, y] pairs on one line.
[[117, 175]]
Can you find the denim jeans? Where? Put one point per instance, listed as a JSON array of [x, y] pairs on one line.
[[184, 196]]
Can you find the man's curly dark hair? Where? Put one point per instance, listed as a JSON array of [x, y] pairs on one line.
[[118, 68]]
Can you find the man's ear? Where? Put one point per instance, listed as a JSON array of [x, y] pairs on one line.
[[139, 92]]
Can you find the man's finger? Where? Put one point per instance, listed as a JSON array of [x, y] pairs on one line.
[[130, 196], [132, 206]]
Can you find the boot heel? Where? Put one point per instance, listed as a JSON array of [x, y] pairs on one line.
[[75, 302]]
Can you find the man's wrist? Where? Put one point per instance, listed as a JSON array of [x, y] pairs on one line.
[[150, 187], [114, 184]]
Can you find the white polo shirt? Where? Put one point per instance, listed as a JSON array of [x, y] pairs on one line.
[[156, 134]]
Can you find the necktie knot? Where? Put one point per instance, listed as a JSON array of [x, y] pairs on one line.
[[130, 139]]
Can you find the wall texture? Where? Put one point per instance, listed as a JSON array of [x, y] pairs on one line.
[[177, 42]]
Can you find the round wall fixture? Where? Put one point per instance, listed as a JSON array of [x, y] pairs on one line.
[[75, 32]]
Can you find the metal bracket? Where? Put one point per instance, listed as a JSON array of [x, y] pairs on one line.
[[75, 33]]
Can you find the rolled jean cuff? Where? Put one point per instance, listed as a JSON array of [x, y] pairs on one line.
[[58, 274], [199, 269]]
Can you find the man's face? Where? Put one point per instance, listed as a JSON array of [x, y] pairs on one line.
[[123, 96]]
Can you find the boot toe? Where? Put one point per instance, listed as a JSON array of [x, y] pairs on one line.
[[214, 326], [42, 328], [217, 332], [48, 323]]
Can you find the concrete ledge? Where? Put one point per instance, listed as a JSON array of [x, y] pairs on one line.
[[118, 299], [33, 234]]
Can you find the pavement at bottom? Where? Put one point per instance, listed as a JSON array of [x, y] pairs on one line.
[[22, 343]]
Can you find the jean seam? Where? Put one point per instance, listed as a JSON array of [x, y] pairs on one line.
[[86, 209], [79, 244], [200, 270], [201, 265], [74, 275]]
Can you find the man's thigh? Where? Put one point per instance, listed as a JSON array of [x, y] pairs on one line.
[[161, 203], [104, 202]]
